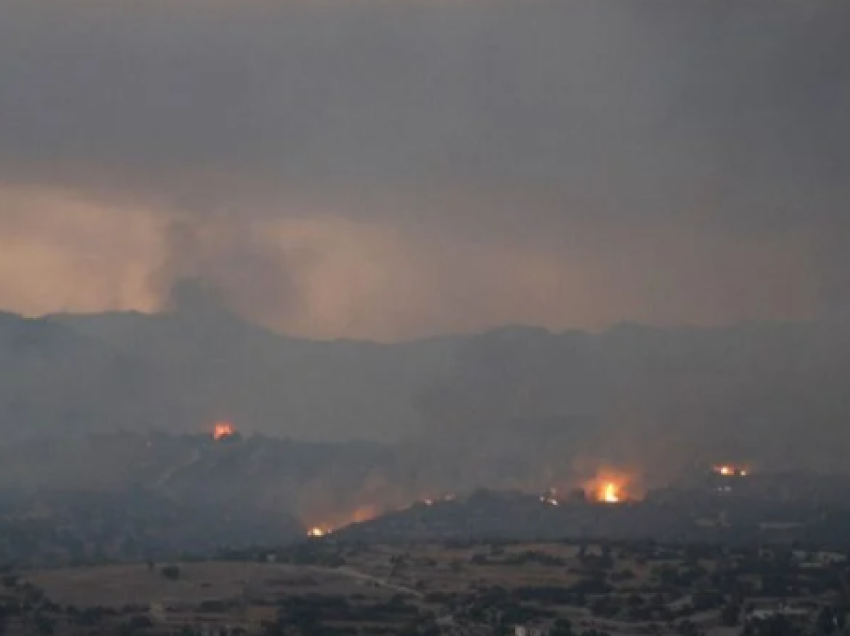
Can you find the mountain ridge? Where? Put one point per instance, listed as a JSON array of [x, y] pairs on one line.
[[771, 392]]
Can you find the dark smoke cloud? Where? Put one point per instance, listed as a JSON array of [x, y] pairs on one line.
[[224, 265], [412, 167]]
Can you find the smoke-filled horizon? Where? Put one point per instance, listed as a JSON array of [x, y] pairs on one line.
[[396, 169]]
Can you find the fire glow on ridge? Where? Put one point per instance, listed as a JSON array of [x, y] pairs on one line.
[[222, 430], [728, 470], [609, 493]]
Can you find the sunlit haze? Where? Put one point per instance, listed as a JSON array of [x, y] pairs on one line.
[[391, 170]]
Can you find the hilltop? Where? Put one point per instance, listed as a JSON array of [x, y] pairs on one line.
[[490, 402]]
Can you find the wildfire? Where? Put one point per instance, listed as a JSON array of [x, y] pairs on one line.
[[363, 513], [611, 486], [728, 470], [609, 493], [329, 523], [222, 430]]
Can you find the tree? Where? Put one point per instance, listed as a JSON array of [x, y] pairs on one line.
[[687, 628], [826, 621], [10, 580], [43, 624], [730, 615], [775, 626]]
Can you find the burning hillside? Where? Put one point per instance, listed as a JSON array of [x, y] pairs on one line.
[[602, 490], [223, 430], [488, 514], [612, 486], [730, 470], [609, 493], [333, 522]]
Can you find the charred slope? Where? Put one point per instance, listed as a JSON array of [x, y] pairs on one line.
[[321, 483], [252, 490], [515, 516], [697, 518]]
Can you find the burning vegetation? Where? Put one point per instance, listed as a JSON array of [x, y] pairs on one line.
[[606, 487], [610, 487], [609, 493], [223, 430], [729, 470], [358, 515]]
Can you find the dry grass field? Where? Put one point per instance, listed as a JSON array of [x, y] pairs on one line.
[[120, 585], [436, 568], [386, 590]]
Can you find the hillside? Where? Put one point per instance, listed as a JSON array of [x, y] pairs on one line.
[[520, 403], [230, 369], [56, 380]]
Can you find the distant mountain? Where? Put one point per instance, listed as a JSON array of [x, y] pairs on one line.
[[516, 405], [225, 368], [54, 379]]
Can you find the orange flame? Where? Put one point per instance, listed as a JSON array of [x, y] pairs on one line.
[[611, 486], [222, 430], [329, 524], [728, 470], [609, 493]]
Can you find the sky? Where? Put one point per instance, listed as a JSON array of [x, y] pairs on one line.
[[390, 169]]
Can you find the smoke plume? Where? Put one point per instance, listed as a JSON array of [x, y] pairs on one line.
[[399, 169]]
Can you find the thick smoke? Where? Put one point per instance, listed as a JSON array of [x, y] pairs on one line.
[[223, 264], [396, 169], [389, 170]]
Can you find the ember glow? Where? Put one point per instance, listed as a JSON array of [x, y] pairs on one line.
[[222, 430], [612, 486], [728, 470], [364, 513], [609, 493], [325, 524]]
